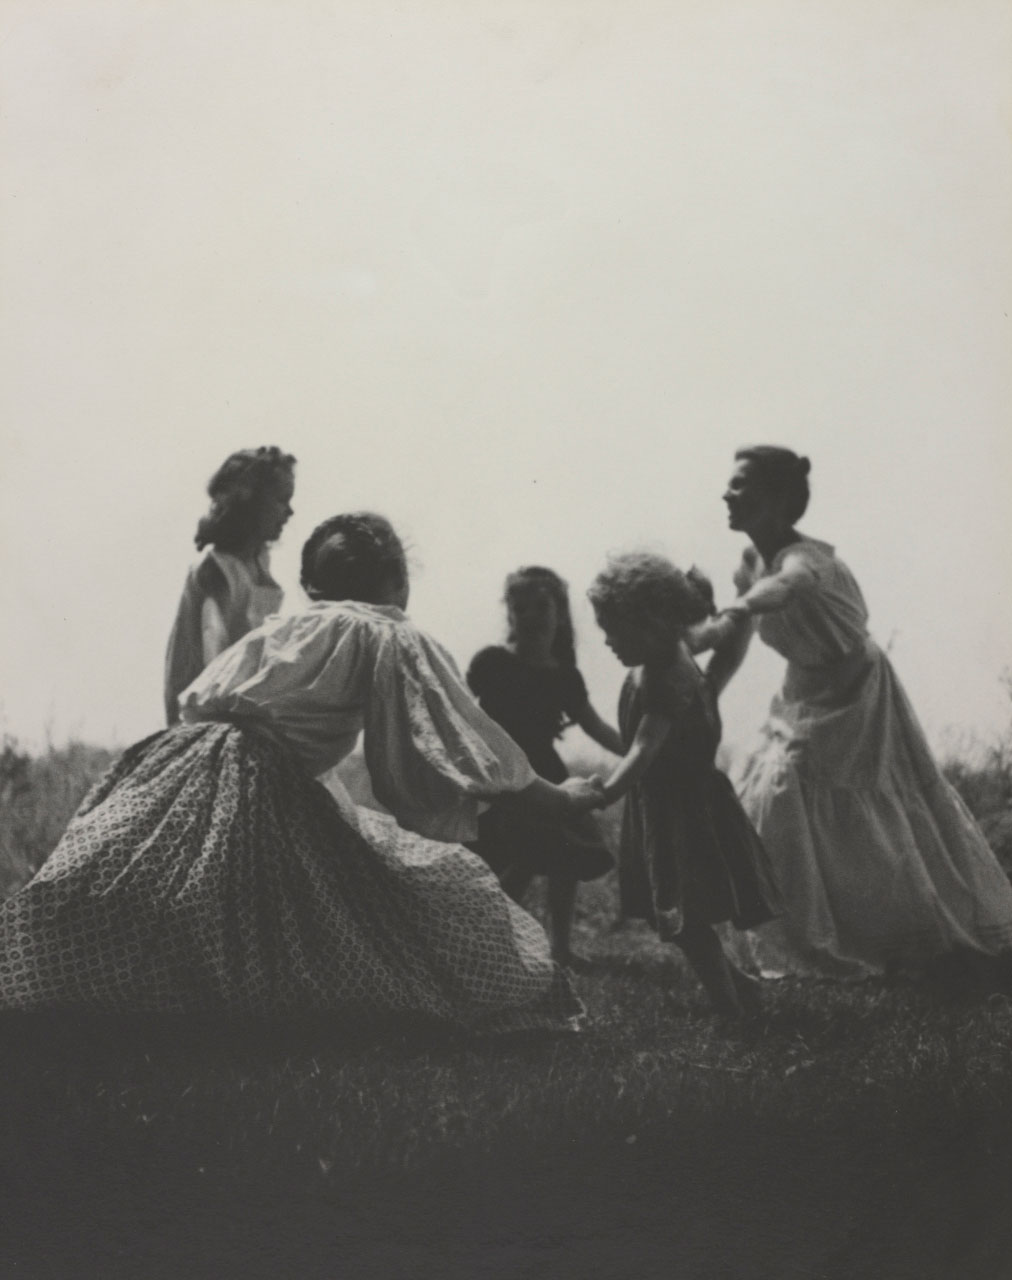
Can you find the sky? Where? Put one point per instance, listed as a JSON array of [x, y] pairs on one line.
[[521, 276]]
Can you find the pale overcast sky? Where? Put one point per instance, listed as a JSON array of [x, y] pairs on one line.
[[519, 275]]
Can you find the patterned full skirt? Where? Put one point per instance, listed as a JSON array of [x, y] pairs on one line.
[[206, 872]]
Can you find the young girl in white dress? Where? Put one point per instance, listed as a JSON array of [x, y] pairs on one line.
[[879, 863], [229, 590], [210, 871]]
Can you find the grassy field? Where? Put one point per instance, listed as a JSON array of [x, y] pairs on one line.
[[860, 1130]]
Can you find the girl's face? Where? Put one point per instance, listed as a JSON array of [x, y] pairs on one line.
[[533, 613], [274, 507], [634, 642]]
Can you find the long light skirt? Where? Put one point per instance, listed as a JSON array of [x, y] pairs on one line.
[[879, 863], [206, 872]]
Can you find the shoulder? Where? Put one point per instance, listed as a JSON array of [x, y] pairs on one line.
[[327, 619], [212, 573], [493, 658], [489, 666], [671, 689], [806, 557]]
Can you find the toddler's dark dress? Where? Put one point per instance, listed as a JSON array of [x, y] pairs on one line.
[[689, 856], [534, 704]]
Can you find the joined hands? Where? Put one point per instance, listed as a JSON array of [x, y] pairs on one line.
[[585, 793]]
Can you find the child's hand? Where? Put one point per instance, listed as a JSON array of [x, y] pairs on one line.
[[584, 793]]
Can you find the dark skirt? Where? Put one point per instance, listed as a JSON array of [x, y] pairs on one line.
[[690, 853], [207, 872]]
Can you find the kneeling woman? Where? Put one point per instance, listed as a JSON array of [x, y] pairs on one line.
[[210, 871]]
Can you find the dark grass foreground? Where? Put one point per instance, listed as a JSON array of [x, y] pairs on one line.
[[852, 1131]]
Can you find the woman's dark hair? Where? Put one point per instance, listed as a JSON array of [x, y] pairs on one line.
[[536, 576], [354, 556], [782, 473], [649, 591], [235, 490]]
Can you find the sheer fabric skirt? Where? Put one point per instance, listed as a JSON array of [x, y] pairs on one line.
[[879, 863]]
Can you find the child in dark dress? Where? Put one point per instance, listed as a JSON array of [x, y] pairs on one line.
[[689, 856], [534, 689]]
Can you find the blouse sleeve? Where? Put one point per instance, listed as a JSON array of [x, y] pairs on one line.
[[485, 676], [433, 754], [797, 574]]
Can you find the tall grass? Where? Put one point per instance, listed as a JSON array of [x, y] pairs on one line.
[[38, 795]]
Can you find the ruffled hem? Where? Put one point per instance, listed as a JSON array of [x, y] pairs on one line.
[[873, 879]]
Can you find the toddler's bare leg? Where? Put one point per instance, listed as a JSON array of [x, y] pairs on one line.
[[702, 948]]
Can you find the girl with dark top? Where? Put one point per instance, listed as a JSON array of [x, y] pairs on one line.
[[689, 856], [534, 689]]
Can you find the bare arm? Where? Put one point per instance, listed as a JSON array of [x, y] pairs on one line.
[[651, 734], [213, 632], [729, 652], [575, 795], [601, 733], [729, 634]]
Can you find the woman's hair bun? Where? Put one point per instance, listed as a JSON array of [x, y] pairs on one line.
[[804, 466]]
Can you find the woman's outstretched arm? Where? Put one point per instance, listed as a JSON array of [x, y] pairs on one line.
[[729, 650]]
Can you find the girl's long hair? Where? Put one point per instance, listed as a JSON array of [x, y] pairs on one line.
[[563, 648]]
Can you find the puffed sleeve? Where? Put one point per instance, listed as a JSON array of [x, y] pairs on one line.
[[482, 674], [433, 754], [798, 573]]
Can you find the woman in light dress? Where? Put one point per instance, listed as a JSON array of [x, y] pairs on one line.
[[878, 861], [210, 871], [229, 590]]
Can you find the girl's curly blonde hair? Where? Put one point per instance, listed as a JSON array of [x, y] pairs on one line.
[[645, 588]]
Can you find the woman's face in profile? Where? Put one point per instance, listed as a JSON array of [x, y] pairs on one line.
[[744, 496], [274, 508]]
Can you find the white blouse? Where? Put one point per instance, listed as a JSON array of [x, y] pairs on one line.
[[822, 617], [319, 677]]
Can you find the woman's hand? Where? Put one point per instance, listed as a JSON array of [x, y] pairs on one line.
[[584, 793], [725, 627]]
